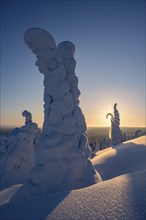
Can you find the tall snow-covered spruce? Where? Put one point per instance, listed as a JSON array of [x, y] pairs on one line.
[[62, 158], [115, 126]]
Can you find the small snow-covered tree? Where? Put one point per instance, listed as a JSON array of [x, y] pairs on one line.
[[137, 134], [95, 146], [104, 142], [19, 159], [124, 136], [115, 126], [32, 126]]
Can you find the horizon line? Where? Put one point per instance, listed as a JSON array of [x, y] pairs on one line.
[[88, 126]]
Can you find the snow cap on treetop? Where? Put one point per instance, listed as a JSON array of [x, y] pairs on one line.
[[66, 48], [115, 105], [38, 39]]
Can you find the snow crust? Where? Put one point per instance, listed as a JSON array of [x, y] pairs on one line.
[[120, 198]]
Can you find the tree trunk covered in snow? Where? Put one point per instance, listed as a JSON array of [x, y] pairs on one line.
[[62, 156]]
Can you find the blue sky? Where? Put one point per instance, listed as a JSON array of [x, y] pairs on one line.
[[110, 52]]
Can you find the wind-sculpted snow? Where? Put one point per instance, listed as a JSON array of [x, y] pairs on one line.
[[18, 158], [127, 157], [61, 161], [120, 198]]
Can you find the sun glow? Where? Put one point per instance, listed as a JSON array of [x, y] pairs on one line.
[[96, 117]]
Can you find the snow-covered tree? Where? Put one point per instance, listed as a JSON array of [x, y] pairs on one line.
[[62, 156], [19, 158], [28, 117], [104, 142], [33, 127], [95, 146], [115, 126], [138, 133], [124, 136]]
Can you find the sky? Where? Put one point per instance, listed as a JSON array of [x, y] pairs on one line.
[[110, 53]]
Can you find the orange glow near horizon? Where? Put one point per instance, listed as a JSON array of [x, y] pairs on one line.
[[94, 117], [98, 118]]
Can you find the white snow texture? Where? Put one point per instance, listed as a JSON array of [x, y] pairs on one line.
[[122, 197]]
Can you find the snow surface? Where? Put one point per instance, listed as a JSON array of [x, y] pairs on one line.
[[129, 156], [62, 161], [122, 197]]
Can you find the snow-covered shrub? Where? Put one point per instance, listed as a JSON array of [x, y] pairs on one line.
[[95, 146], [138, 133], [104, 142], [124, 136]]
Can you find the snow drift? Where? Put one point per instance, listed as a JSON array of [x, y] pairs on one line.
[[122, 197], [129, 156]]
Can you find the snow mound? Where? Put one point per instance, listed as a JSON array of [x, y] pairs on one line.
[[122, 197], [129, 156]]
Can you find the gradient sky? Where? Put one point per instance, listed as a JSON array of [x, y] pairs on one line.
[[110, 52]]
